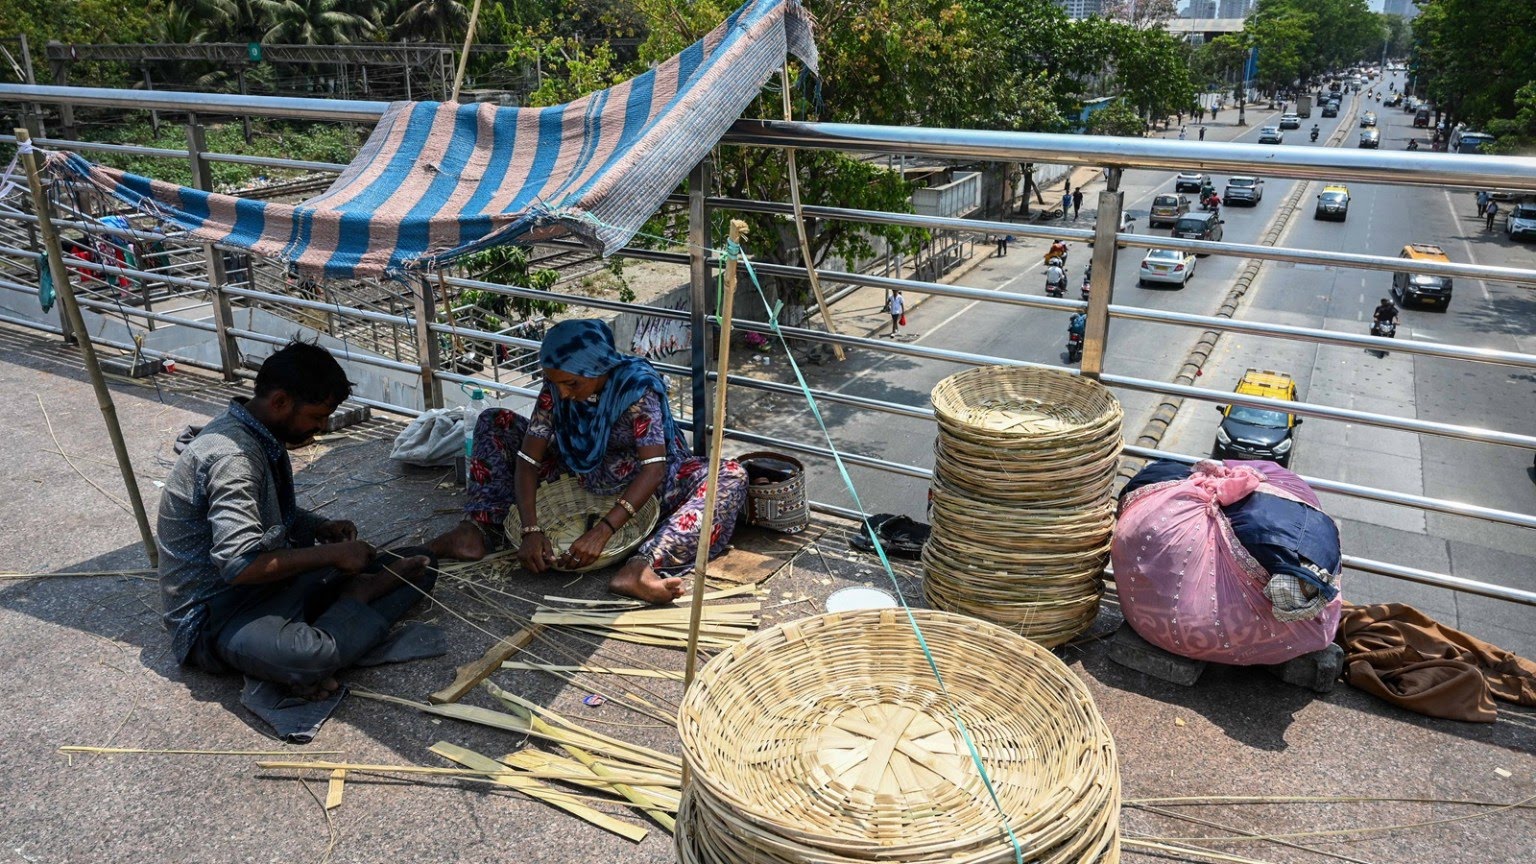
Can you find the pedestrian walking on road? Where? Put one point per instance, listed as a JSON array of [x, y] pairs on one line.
[[1077, 201], [1482, 201], [1002, 245], [1202, 133], [1182, 133], [1491, 212], [1066, 202], [897, 307]]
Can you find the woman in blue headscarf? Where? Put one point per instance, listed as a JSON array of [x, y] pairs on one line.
[[602, 416]]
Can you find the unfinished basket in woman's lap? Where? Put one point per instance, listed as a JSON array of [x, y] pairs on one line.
[[828, 739], [567, 511], [1024, 470]]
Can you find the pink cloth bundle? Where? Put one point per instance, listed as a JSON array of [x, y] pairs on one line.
[[1188, 585]]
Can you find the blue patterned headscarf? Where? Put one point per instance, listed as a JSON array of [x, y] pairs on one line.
[[585, 347]]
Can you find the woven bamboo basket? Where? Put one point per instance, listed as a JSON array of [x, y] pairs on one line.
[[1024, 470], [567, 511], [828, 739]]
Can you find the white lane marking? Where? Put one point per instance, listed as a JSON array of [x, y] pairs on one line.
[[1465, 244]]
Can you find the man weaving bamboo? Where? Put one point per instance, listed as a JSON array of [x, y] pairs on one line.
[[251, 581]]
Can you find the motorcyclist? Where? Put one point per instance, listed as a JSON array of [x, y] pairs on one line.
[[1058, 251], [1385, 314], [1055, 276], [1207, 189], [1315, 130], [1077, 327], [1413, 143], [1212, 202]]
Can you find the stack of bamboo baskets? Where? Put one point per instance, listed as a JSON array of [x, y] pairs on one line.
[[830, 740], [1022, 499]]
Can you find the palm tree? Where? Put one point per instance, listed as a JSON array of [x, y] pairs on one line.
[[430, 21], [312, 22]]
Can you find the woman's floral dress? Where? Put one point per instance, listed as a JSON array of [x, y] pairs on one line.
[[673, 546]]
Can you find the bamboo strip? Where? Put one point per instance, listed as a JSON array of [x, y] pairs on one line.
[[556, 774], [333, 790], [720, 594], [534, 789], [118, 751], [644, 755], [596, 670]]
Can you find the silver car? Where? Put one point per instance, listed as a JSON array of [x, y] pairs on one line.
[[1248, 190], [1271, 135], [1521, 221]]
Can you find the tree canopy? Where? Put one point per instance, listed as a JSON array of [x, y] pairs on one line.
[[1473, 58]]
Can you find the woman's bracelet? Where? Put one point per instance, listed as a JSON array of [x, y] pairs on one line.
[[628, 507], [532, 529], [610, 525], [652, 461], [526, 458]]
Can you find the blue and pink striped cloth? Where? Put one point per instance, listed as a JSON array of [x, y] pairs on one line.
[[436, 181]]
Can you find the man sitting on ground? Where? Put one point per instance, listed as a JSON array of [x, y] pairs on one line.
[[250, 581]]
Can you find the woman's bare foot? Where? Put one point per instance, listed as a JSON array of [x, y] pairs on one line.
[[466, 542], [368, 587], [637, 579], [318, 691]]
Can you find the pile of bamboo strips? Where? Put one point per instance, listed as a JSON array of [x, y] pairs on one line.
[[618, 772], [722, 625]]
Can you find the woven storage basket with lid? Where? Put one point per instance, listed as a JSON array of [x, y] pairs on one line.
[[566, 511], [828, 739], [1024, 470]]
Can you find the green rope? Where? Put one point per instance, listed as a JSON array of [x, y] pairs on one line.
[[733, 251]]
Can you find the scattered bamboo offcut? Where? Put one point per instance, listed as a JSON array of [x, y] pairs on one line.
[[722, 625]]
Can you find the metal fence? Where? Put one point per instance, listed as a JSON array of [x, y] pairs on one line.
[[212, 285]]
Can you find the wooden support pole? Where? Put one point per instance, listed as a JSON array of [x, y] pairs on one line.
[[716, 444], [805, 243], [469, 39], [61, 283]]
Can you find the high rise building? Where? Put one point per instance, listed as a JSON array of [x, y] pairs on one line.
[[1237, 8], [1199, 9], [1403, 8], [1081, 8]]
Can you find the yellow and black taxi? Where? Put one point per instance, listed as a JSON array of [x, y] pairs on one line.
[[1258, 433], [1332, 203], [1423, 288]]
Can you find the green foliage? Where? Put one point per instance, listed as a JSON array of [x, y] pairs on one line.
[[314, 22], [314, 142], [570, 68], [1475, 56], [508, 265], [1120, 118]]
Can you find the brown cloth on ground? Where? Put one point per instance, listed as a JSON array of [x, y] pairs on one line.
[[1409, 659]]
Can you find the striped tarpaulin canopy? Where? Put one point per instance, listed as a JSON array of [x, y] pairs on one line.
[[436, 181]]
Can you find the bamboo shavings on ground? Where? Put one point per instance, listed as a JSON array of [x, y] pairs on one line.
[[723, 624], [534, 789], [523, 665]]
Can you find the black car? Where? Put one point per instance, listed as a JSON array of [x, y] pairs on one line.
[[1198, 226], [1255, 433], [1330, 110]]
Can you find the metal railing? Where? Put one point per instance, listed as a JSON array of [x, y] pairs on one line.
[[1115, 155]]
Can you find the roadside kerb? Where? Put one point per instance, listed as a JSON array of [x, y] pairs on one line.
[[1151, 435]]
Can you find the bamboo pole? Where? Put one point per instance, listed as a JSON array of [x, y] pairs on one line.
[[716, 443], [61, 282], [805, 243], [469, 39]]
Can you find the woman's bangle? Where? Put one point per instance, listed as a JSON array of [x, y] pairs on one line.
[[652, 461], [526, 458], [532, 529], [611, 529], [628, 507]]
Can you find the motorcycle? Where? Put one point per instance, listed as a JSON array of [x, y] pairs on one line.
[[1087, 282], [1074, 347], [1056, 289], [1413, 143], [1384, 329], [1314, 134], [1211, 203]]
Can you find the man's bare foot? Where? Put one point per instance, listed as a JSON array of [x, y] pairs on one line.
[[465, 542], [318, 691], [637, 579], [368, 587]]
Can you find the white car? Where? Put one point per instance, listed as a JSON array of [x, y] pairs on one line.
[[1167, 266], [1521, 221], [1271, 135], [1290, 121], [1190, 181]]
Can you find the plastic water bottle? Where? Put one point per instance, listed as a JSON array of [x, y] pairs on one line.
[[472, 417]]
